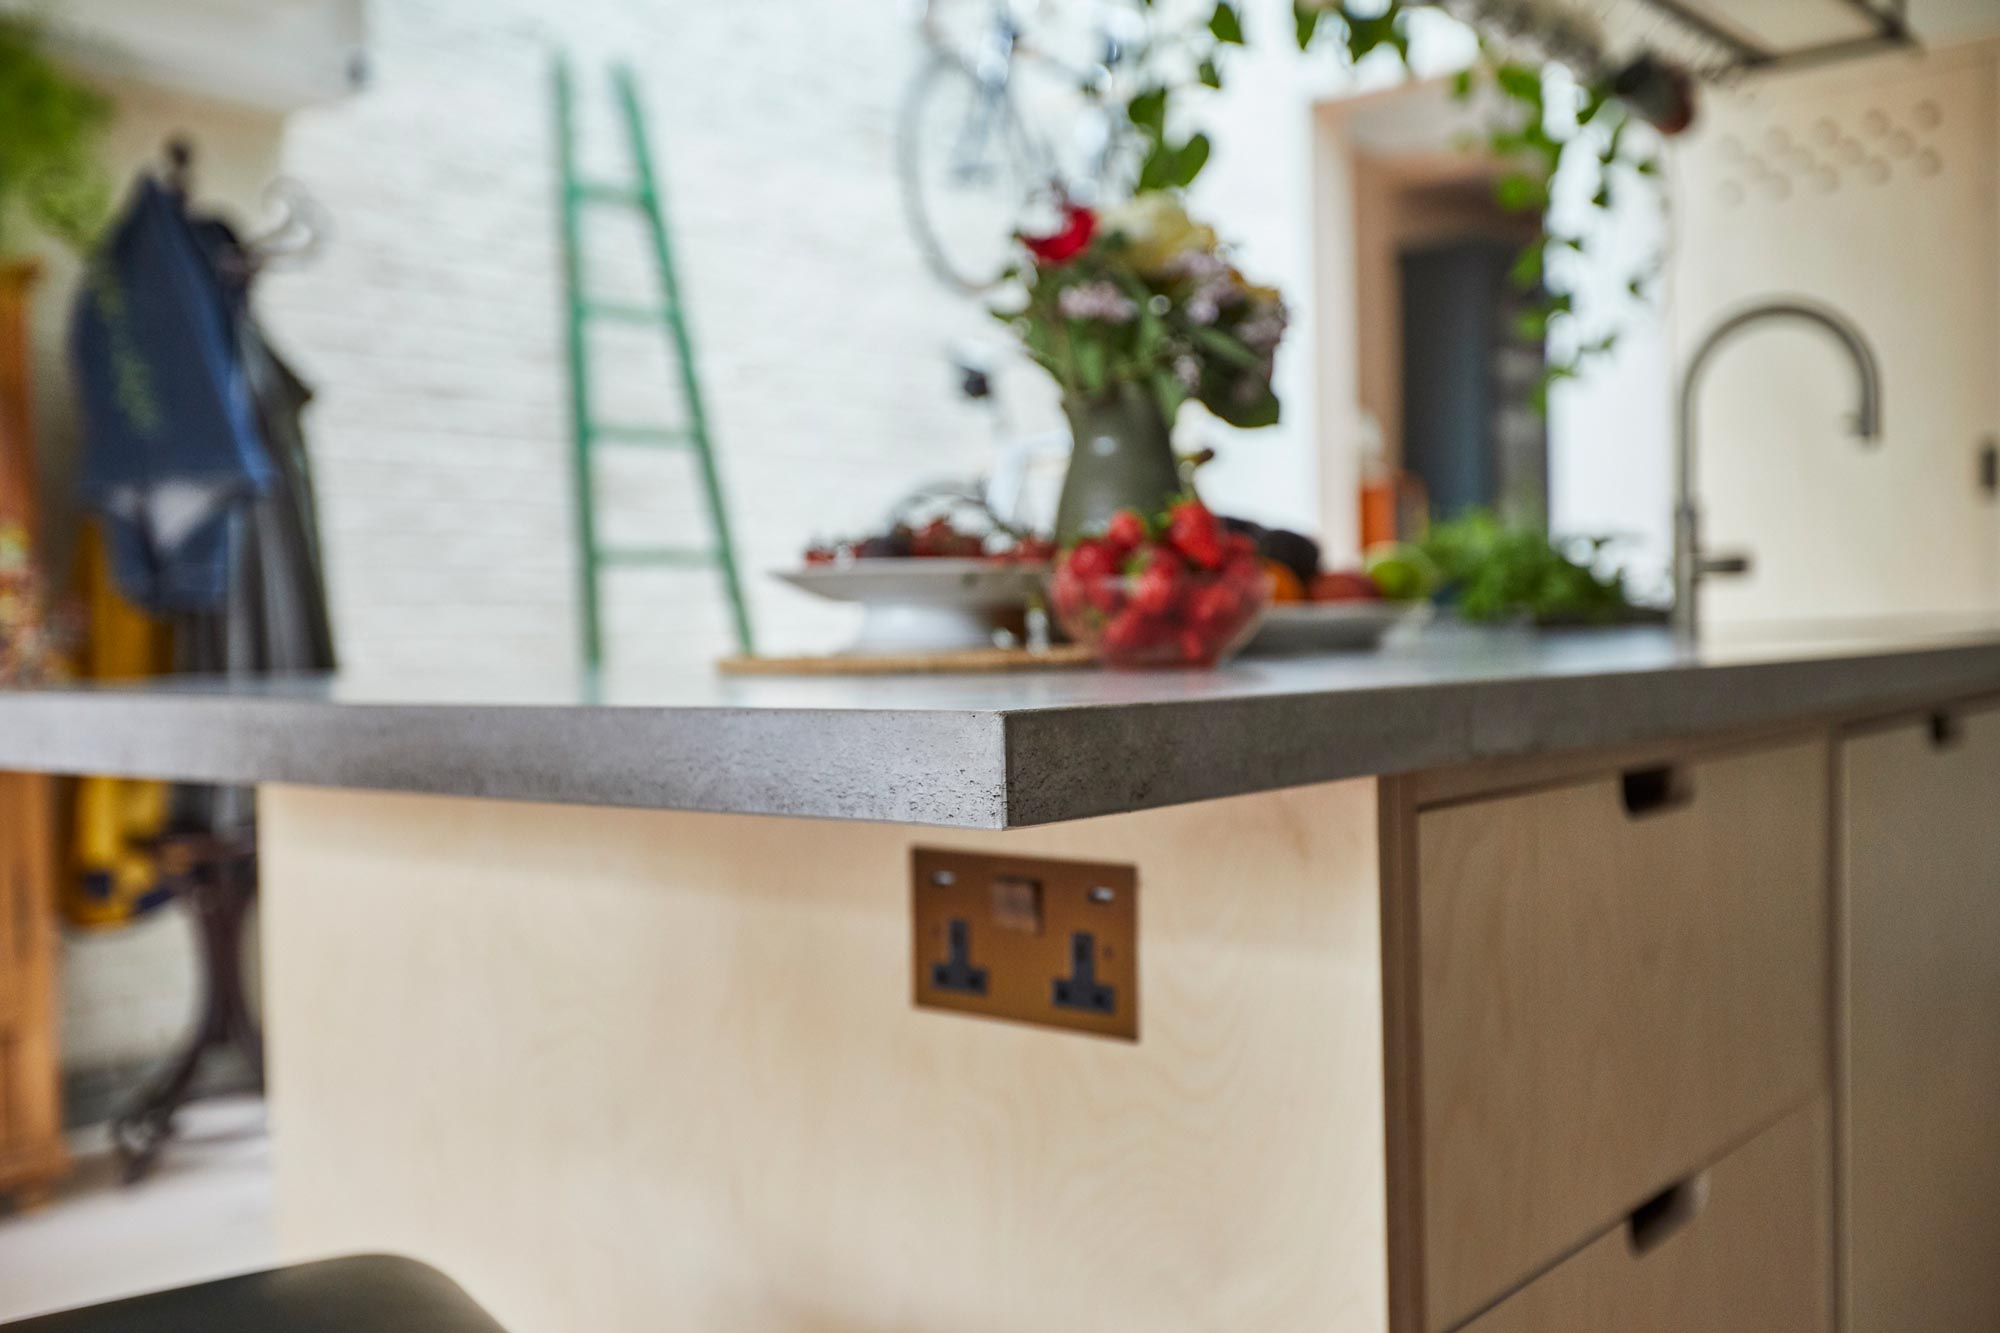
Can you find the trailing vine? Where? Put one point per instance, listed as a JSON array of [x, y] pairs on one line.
[[1531, 134], [51, 128]]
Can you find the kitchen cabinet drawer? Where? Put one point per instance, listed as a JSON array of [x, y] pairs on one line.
[[1743, 1247], [1614, 982]]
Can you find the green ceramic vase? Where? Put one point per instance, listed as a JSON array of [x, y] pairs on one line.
[[1123, 459]]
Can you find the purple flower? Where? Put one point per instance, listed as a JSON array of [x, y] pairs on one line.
[[1101, 301], [1262, 330]]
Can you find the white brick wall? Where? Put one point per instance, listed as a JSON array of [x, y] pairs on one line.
[[432, 326]]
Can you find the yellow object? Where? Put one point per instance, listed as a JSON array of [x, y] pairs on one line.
[[113, 876]]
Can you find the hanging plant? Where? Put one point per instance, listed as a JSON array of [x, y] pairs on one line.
[[51, 128], [1529, 135]]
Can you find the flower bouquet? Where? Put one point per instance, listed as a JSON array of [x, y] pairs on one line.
[[1136, 310]]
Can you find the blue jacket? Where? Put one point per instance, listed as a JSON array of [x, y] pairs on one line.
[[171, 447]]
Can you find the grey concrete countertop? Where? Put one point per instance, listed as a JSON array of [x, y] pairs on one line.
[[990, 751]]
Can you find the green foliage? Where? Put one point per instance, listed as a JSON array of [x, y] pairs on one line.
[[1169, 163], [1532, 137], [1226, 25], [1491, 570], [50, 129]]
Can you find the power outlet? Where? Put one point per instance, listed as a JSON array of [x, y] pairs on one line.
[[1027, 939]]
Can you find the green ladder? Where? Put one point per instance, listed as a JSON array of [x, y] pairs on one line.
[[582, 309]]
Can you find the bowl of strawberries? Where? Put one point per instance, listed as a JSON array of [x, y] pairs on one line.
[[1160, 590]]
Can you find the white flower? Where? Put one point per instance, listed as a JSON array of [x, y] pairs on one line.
[[1157, 231]]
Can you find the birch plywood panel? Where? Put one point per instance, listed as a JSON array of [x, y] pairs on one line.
[[1607, 1001], [1757, 1254], [629, 1070], [1922, 887]]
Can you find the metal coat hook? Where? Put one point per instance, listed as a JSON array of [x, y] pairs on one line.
[[300, 232]]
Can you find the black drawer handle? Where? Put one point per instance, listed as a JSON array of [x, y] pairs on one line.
[[1648, 791], [1946, 731], [1665, 1215]]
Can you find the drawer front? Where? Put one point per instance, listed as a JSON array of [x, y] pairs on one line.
[[1616, 981], [1744, 1247]]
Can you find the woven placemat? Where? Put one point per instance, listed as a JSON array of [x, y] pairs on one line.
[[962, 661]]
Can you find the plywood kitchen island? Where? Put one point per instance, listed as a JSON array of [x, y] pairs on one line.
[[1495, 982]]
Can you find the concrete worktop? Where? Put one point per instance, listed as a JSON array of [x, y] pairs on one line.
[[990, 751]]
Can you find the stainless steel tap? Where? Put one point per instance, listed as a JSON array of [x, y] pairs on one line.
[[1691, 563]]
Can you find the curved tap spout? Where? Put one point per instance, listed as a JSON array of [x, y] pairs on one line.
[[1689, 563]]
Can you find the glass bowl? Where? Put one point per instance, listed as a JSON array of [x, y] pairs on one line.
[[1195, 618]]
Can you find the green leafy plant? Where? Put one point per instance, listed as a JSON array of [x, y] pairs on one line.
[[1532, 135], [1492, 570], [51, 127]]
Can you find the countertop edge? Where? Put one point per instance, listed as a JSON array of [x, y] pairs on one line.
[[1075, 763], [935, 768], [982, 763]]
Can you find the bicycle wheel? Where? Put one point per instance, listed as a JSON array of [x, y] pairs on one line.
[[968, 173]]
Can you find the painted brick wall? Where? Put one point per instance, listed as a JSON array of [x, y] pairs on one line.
[[432, 324], [432, 328]]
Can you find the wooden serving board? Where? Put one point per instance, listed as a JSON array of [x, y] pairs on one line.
[[957, 661]]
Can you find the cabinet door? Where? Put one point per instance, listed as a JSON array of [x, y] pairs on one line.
[[1743, 1247], [1617, 983], [31, 1151], [1922, 886], [1869, 187]]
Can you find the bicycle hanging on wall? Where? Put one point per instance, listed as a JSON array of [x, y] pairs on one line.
[[998, 124]]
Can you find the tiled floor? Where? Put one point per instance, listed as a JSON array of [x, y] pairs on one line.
[[205, 1212]]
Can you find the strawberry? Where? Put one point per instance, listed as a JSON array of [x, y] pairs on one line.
[[1193, 531], [1214, 606], [1131, 633], [1196, 648], [1066, 590], [1160, 583], [1125, 530], [1090, 561]]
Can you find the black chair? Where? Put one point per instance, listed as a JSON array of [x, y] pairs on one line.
[[373, 1293]]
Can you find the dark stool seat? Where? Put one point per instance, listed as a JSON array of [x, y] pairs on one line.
[[372, 1293]]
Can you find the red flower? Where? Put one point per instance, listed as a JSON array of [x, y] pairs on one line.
[[1065, 244]]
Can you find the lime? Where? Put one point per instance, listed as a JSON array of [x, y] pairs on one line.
[[1403, 572]]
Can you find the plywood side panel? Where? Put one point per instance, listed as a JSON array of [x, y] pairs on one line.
[[1922, 897], [626, 1070]]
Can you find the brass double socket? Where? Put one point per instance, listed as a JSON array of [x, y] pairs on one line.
[[1027, 939]]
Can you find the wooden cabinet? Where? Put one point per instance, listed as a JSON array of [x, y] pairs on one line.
[[1615, 980], [31, 1146], [1921, 838], [1743, 1246]]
